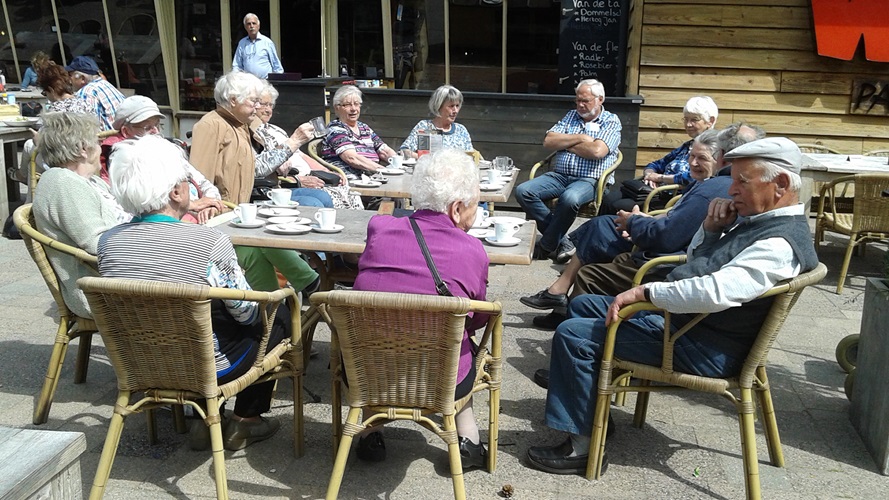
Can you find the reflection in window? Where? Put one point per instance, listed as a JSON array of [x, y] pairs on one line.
[[84, 32], [361, 38], [301, 37], [200, 52], [137, 46], [418, 44], [32, 24], [239, 9], [532, 53]]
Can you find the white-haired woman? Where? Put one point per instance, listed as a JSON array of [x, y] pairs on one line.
[[444, 105], [351, 144], [73, 205], [151, 180], [445, 193], [698, 115]]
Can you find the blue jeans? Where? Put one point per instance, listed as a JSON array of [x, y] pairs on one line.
[[573, 193], [311, 197], [577, 349]]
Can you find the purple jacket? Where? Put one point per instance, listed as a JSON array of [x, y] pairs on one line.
[[393, 262]]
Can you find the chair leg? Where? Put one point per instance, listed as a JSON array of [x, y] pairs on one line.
[[337, 414], [218, 451], [641, 405], [493, 428], [152, 426], [298, 417], [179, 419], [450, 424], [109, 449], [597, 437], [84, 343], [845, 268], [748, 444], [769, 422], [47, 393], [620, 398], [342, 454]]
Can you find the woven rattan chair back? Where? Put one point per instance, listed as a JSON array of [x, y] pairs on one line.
[[400, 354], [869, 220], [313, 148], [751, 379], [70, 326], [817, 148], [877, 152]]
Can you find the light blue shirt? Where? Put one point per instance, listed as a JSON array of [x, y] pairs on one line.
[[257, 56]]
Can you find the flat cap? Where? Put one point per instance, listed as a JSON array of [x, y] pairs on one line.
[[84, 64], [780, 151]]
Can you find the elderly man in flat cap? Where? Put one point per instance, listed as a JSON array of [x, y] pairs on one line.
[[744, 247]]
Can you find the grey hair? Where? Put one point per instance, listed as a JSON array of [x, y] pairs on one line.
[[709, 139], [64, 136], [248, 16], [344, 92], [769, 172], [144, 172], [595, 86], [702, 106], [238, 85], [733, 136], [269, 90], [443, 178], [443, 94], [79, 74]]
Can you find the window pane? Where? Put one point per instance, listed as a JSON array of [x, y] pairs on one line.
[[198, 29], [361, 38], [34, 29], [475, 37], [84, 33], [418, 39], [239, 9], [301, 37], [532, 51], [137, 47], [7, 63]]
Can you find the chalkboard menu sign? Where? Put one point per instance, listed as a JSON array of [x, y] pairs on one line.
[[593, 44]]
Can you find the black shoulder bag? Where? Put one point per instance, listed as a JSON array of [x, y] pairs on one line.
[[440, 286]]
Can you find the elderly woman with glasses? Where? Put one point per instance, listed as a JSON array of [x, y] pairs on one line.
[[445, 193], [444, 105], [151, 180], [351, 144]]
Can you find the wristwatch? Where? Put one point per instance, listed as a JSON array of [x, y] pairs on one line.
[[646, 292]]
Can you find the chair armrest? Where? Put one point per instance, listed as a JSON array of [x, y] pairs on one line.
[[312, 150], [657, 261], [600, 184], [828, 190], [654, 192], [544, 163]]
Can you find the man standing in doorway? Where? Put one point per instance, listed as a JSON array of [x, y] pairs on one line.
[[586, 142], [256, 52]]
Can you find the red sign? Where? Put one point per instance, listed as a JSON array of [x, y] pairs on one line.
[[840, 24]]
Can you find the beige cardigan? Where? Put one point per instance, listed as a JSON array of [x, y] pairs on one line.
[[222, 151]]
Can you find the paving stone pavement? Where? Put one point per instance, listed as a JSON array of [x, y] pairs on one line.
[[689, 447]]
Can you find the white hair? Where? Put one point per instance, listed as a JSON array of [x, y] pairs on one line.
[[144, 171], [443, 178], [442, 95], [269, 90], [769, 171], [595, 86], [248, 16], [238, 85], [702, 106], [344, 92], [64, 136]]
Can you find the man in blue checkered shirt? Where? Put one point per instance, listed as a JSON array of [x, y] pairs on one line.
[[586, 142]]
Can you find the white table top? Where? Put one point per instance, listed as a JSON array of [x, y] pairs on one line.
[[845, 164]]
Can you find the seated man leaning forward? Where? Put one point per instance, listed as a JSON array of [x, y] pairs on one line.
[[445, 194], [151, 180], [586, 142], [745, 246]]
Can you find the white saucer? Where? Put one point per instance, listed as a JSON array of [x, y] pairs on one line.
[[366, 184], [482, 225], [508, 242], [335, 229], [507, 220], [484, 165], [409, 161], [290, 204], [484, 186], [481, 233], [256, 223], [278, 212], [391, 171], [289, 220], [288, 228]]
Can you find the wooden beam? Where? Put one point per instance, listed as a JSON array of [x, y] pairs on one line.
[[782, 102], [728, 16], [706, 79], [757, 59], [706, 36]]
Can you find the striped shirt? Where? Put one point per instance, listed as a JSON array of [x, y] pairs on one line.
[[160, 248], [605, 127], [340, 139], [105, 99]]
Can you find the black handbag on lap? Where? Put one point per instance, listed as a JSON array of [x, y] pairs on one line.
[[635, 189], [329, 178]]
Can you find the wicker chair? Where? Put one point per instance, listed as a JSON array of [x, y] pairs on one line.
[[314, 150], [869, 219], [752, 378], [817, 148], [878, 152], [591, 209], [71, 326], [400, 354], [159, 338], [656, 192]]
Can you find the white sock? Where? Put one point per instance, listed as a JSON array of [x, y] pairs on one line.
[[581, 445]]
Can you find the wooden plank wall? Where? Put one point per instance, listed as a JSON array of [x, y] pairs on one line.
[[757, 59]]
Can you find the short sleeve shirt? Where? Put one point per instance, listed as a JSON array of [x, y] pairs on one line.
[[605, 127]]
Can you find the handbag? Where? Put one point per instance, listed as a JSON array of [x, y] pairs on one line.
[[635, 189], [440, 286], [329, 178]]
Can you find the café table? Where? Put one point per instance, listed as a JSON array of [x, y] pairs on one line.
[[823, 167], [9, 136], [399, 187]]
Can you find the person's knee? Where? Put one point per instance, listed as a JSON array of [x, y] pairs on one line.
[[523, 194]]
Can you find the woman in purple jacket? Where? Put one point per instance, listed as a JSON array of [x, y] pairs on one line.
[[445, 194]]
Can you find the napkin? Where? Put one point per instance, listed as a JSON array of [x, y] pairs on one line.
[[365, 178]]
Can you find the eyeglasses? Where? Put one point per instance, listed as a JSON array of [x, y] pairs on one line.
[[349, 105], [585, 101], [43, 93], [254, 101], [266, 105], [157, 127]]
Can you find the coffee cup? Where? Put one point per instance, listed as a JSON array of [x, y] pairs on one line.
[[246, 213], [493, 176], [480, 216], [280, 196], [326, 218], [396, 161], [505, 230], [319, 125], [503, 163]]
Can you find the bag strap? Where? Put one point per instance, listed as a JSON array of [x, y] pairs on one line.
[[440, 286]]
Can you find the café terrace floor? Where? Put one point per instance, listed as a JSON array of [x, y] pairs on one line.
[[689, 448]]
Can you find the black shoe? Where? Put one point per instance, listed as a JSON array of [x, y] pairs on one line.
[[556, 459], [545, 300], [564, 253], [239, 434], [473, 455], [549, 321], [371, 447], [541, 253], [541, 378]]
